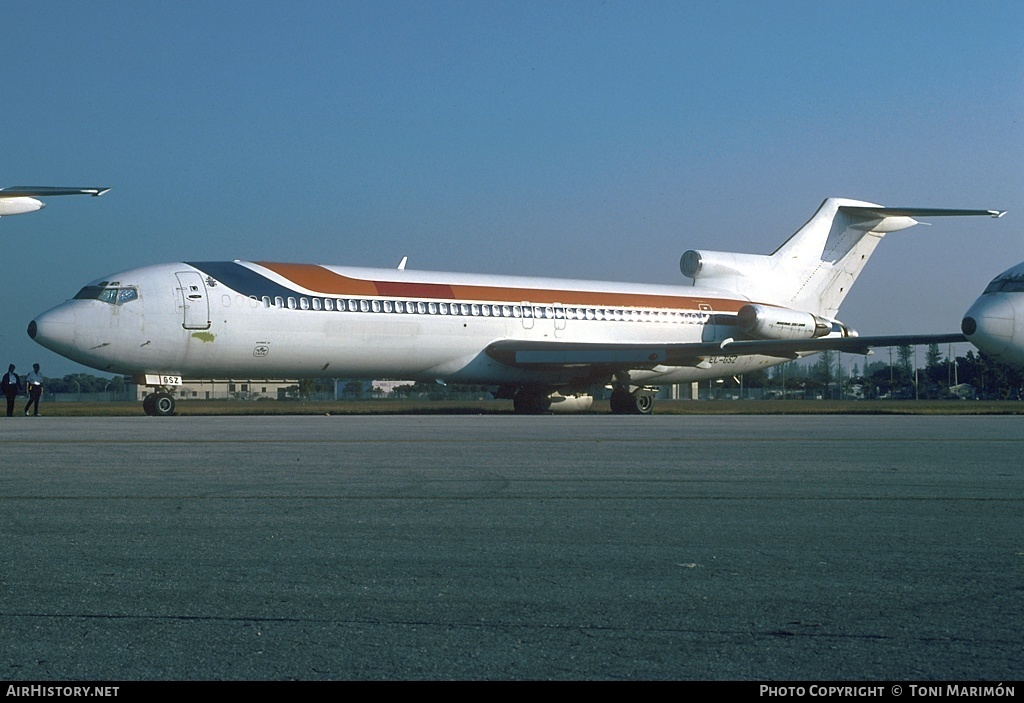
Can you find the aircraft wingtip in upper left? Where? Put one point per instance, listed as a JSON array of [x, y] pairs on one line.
[[17, 200]]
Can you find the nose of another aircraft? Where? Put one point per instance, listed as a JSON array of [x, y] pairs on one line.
[[989, 323], [54, 329]]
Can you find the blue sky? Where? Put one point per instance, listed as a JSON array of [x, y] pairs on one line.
[[578, 139]]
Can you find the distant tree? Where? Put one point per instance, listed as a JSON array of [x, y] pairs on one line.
[[353, 389], [79, 383], [755, 379], [935, 382], [905, 361], [990, 378], [823, 371], [306, 387]]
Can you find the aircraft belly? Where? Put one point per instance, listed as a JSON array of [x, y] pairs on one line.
[[285, 343]]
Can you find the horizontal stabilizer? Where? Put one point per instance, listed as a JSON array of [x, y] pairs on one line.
[[42, 191], [879, 212]]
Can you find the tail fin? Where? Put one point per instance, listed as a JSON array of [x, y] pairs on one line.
[[815, 268]]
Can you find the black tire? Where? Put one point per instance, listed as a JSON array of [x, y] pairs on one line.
[[643, 404], [163, 405], [530, 403], [621, 402], [149, 404], [625, 403]]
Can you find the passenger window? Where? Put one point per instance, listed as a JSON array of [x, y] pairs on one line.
[[317, 305], [328, 304], [432, 308], [375, 305], [291, 303], [279, 301], [304, 303], [266, 301], [389, 306], [364, 306]]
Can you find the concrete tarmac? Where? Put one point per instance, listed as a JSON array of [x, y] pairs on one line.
[[503, 547]]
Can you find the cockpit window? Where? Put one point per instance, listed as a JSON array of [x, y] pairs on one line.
[[1006, 285], [126, 295], [114, 296]]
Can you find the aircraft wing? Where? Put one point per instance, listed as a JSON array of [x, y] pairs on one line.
[[556, 355], [33, 191]]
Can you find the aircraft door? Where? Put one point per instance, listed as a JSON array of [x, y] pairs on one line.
[[527, 317], [194, 300], [708, 331]]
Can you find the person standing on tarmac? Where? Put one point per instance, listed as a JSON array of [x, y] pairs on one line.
[[34, 386], [10, 385]]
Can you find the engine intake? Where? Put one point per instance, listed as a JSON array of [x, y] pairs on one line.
[[718, 264]]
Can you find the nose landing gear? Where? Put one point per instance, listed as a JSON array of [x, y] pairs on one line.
[[159, 404]]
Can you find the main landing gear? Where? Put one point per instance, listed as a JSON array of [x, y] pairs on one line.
[[527, 401], [158, 404], [623, 402]]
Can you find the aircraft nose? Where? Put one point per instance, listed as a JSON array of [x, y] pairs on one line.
[[989, 323], [54, 329]]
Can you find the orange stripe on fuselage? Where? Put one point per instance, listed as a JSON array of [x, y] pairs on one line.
[[326, 282], [320, 279]]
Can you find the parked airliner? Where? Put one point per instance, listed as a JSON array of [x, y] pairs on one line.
[[18, 200], [995, 322], [543, 342]]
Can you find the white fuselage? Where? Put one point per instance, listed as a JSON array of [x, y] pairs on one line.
[[995, 322], [265, 320]]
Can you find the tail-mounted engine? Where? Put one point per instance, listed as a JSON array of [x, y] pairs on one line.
[[766, 322]]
